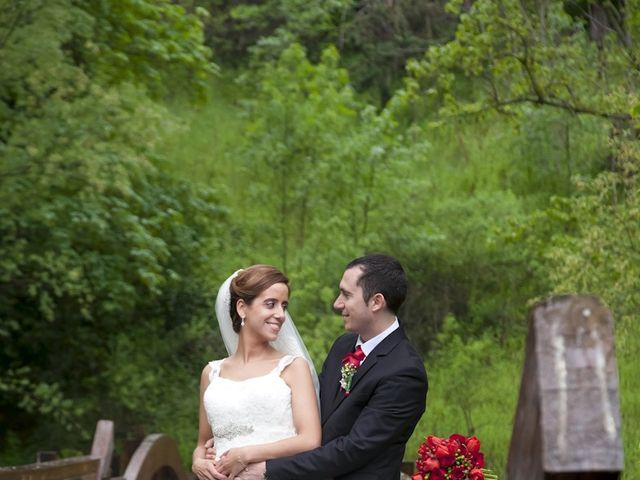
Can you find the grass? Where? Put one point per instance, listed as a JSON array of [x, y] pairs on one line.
[[198, 150], [492, 394], [627, 348]]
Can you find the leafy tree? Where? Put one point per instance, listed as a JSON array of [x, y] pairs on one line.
[[517, 54], [513, 57], [378, 37], [302, 195], [234, 28], [374, 37], [105, 270], [154, 43]]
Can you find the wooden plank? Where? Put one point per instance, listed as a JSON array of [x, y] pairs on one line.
[[83, 468], [567, 422], [89, 467], [102, 447], [525, 453]]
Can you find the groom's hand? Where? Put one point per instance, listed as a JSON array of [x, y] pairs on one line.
[[203, 463], [255, 471], [209, 450], [206, 470]]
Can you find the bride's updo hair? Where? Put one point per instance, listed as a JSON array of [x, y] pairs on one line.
[[248, 284]]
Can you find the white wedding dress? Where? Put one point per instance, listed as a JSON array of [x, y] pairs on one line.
[[248, 412]]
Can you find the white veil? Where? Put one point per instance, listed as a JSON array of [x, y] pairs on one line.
[[288, 341]]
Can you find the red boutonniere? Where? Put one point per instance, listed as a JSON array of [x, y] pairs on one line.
[[350, 364]]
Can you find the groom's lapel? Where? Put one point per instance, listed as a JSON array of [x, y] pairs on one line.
[[380, 351], [331, 391]]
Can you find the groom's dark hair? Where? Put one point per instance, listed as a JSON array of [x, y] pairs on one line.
[[382, 274]]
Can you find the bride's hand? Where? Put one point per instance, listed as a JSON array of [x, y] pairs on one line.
[[233, 461]]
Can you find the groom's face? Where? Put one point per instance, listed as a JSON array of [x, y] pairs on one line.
[[350, 303]]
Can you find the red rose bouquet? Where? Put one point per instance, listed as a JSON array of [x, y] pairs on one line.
[[454, 458]]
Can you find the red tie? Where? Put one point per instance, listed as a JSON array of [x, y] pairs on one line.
[[359, 354], [355, 358]]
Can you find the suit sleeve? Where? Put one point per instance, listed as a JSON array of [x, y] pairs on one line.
[[391, 414]]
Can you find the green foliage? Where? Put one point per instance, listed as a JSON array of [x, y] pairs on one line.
[[95, 240], [378, 37], [235, 28], [154, 43], [345, 175], [119, 218], [295, 145], [471, 391], [374, 37], [521, 53], [327, 156], [516, 56], [474, 182], [600, 255], [591, 259], [199, 148]]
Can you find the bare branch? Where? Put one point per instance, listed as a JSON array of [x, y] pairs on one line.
[[575, 109]]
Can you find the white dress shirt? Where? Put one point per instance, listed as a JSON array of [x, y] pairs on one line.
[[369, 345]]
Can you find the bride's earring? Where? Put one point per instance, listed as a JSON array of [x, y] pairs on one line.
[[242, 322]]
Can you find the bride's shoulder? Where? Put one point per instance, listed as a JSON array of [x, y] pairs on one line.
[[212, 368], [286, 359], [294, 364], [216, 362]]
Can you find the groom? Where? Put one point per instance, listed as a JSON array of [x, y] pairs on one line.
[[368, 417]]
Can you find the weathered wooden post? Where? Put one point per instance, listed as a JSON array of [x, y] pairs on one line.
[[567, 423], [102, 447]]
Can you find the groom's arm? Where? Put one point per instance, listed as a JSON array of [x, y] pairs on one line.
[[391, 414]]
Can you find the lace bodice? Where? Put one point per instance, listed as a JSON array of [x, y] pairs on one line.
[[248, 412]]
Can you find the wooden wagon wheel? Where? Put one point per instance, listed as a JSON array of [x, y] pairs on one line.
[[156, 458]]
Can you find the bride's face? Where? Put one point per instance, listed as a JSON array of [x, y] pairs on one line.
[[266, 314]]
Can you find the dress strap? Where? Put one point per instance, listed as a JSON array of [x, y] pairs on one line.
[[215, 369], [284, 363]]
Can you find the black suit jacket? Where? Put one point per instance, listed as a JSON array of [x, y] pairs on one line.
[[363, 434]]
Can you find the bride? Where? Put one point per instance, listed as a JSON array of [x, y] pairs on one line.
[[260, 402]]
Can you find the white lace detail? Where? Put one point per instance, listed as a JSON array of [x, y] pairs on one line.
[[249, 412]]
